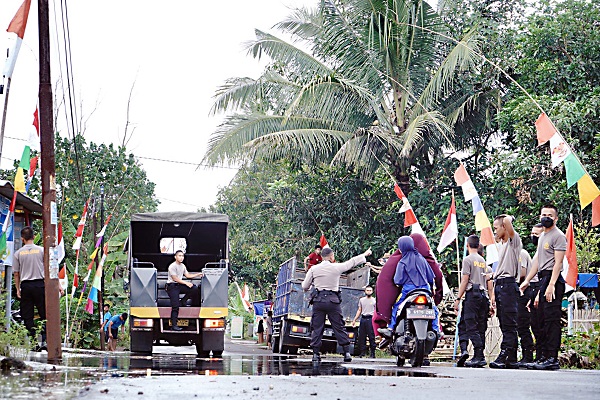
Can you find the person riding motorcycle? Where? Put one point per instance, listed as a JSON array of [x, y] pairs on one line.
[[412, 272]]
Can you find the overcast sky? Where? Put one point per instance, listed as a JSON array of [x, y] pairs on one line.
[[174, 54]]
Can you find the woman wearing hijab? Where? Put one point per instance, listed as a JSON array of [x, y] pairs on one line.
[[412, 272], [423, 248], [387, 292]]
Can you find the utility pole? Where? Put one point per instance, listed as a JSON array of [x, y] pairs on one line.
[[49, 214], [101, 294]]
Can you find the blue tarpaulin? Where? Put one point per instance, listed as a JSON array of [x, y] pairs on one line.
[[588, 280]]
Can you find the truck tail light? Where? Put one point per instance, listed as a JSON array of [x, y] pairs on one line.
[[299, 329], [143, 323], [214, 323]]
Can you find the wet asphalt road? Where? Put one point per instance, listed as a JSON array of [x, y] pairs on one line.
[[249, 371]]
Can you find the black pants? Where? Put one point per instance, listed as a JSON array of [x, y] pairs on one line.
[[507, 297], [327, 303], [524, 320], [33, 294], [174, 289], [365, 329], [552, 313], [473, 320], [537, 322]]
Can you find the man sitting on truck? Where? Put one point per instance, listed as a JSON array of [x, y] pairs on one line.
[[176, 285]]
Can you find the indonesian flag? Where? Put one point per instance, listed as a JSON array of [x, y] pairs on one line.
[[570, 275], [79, 233], [450, 232], [34, 132], [17, 26], [61, 243], [75, 284], [63, 279], [323, 242], [409, 214], [245, 296]]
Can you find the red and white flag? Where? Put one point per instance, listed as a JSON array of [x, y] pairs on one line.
[[34, 132], [63, 279], [450, 232], [409, 215], [75, 284], [16, 26], [61, 243], [79, 233], [323, 242], [571, 273]]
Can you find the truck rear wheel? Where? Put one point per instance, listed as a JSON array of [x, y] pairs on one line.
[[141, 342]]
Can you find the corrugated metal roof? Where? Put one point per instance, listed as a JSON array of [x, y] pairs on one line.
[[7, 190]]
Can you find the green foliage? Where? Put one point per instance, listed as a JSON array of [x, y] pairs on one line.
[[15, 342], [585, 344]]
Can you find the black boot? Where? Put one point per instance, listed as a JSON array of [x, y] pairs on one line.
[[511, 359], [316, 356], [500, 361], [526, 358], [347, 357], [478, 359], [372, 353], [464, 355], [550, 363]]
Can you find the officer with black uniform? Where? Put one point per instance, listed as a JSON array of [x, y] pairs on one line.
[[524, 313], [549, 261], [475, 286], [506, 290], [537, 327], [326, 300]]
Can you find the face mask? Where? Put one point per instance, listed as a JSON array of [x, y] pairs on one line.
[[369, 295], [535, 240], [547, 222]]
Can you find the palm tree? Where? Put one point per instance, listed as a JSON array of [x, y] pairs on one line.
[[363, 83]]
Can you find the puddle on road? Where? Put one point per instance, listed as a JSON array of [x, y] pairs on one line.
[[78, 370]]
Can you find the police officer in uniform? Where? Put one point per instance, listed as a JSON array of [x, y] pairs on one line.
[[549, 260], [506, 290], [476, 287], [326, 300], [531, 292], [524, 313]]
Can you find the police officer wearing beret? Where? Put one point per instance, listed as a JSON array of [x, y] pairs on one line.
[[326, 300]]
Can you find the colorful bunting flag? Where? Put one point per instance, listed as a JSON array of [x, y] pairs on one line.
[[60, 249], [17, 26], [450, 231], [545, 129], [588, 190], [96, 285], [596, 211], [559, 150], [571, 256], [34, 132], [63, 279], [482, 222], [573, 169]]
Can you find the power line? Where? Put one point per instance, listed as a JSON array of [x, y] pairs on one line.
[[157, 159]]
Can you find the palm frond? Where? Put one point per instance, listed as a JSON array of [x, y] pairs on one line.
[[432, 124]]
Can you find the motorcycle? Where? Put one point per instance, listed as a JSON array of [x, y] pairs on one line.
[[413, 337]]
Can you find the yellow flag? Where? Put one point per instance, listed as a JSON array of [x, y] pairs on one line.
[[93, 256], [588, 190], [20, 181]]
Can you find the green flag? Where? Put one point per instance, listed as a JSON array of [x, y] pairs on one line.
[[2, 244], [25, 159], [574, 170]]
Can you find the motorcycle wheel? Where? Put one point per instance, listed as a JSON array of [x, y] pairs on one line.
[[417, 359], [400, 361]]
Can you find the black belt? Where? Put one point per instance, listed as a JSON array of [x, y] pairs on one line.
[[367, 316], [327, 291], [33, 280], [543, 274], [501, 281], [534, 284]]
